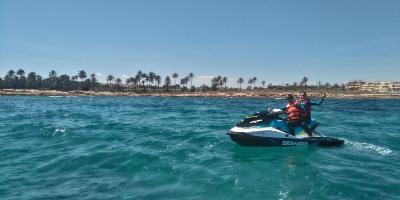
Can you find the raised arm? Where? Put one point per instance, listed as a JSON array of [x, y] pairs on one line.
[[320, 101]]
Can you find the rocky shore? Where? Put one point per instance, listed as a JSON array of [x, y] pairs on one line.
[[243, 94]]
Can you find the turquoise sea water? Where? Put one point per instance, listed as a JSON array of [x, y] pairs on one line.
[[177, 148]]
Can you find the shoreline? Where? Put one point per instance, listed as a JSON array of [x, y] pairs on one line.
[[228, 94]]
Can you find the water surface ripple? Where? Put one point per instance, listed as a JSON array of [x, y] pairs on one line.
[[176, 148]]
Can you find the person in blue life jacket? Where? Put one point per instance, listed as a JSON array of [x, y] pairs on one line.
[[295, 112], [307, 105]]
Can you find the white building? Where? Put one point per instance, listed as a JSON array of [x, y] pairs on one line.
[[383, 87]]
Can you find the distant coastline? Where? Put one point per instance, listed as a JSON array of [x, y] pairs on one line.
[[15, 82], [228, 93]]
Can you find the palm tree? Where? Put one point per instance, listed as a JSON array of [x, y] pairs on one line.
[[21, 81], [130, 80], [220, 81], [191, 75], [138, 76], [224, 80], [217, 82], [31, 80], [184, 81], [263, 84], [64, 82], [145, 79], [175, 76], [240, 81], [75, 79], [152, 76], [82, 75], [93, 79], [158, 80], [9, 79], [110, 78], [167, 82], [52, 74], [11, 73], [118, 82], [254, 81], [39, 80], [251, 81], [21, 73], [214, 83], [53, 78], [304, 82]]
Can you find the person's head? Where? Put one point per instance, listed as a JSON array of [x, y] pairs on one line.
[[290, 98], [303, 95]]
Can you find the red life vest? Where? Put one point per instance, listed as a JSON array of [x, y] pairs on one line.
[[294, 113]]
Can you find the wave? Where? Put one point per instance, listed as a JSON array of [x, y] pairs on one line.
[[370, 147]]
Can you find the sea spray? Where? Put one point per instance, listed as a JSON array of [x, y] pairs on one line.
[[363, 146]]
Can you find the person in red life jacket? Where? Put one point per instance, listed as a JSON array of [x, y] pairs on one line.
[[294, 111], [307, 103]]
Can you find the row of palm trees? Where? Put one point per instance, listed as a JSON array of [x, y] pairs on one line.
[[152, 80], [219, 81], [17, 80], [139, 82], [251, 81]]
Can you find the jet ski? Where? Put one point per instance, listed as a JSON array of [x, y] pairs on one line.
[[268, 128]]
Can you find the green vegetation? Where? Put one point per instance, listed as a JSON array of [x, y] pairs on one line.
[[141, 82]]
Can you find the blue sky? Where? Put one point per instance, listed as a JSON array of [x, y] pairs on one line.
[[277, 41]]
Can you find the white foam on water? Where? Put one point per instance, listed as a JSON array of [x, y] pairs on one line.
[[60, 130], [57, 131], [370, 147], [283, 194], [236, 181], [55, 96]]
